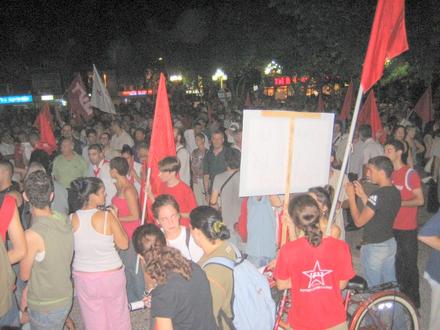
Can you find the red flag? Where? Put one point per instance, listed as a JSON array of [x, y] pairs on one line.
[[79, 101], [387, 40], [370, 115], [248, 101], [47, 141], [348, 103], [162, 135], [321, 105], [423, 107]]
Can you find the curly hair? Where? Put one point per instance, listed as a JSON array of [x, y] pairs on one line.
[[160, 260]]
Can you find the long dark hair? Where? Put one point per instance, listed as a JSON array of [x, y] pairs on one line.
[[304, 211], [80, 191], [209, 221]]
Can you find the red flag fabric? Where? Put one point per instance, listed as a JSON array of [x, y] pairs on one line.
[[370, 115], [348, 103], [387, 40], [79, 101], [47, 141], [162, 135], [423, 107], [321, 105]]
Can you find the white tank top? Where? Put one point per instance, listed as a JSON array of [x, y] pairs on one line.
[[94, 252]]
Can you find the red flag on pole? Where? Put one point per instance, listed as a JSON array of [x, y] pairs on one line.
[[321, 105], [162, 135], [348, 103], [79, 101], [47, 141], [370, 115], [387, 40], [423, 107]]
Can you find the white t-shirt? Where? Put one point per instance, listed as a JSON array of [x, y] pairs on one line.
[[117, 142], [193, 252], [185, 169]]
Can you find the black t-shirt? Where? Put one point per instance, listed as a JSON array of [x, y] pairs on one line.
[[385, 202], [187, 303]]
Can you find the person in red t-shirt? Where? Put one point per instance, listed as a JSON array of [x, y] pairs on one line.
[[172, 185], [407, 181], [315, 268]]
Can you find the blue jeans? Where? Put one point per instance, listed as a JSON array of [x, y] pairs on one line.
[[135, 282], [378, 262], [52, 320], [11, 318]]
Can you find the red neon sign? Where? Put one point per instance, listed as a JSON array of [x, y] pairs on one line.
[[139, 92]]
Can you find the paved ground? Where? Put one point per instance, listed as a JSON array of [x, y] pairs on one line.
[[140, 319]]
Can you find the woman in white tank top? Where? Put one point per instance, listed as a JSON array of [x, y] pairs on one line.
[[97, 268]]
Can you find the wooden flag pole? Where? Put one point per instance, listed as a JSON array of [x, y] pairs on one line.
[[345, 160]]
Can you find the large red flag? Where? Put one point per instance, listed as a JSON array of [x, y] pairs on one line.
[[321, 106], [387, 40], [79, 101], [47, 141], [423, 107], [162, 135], [370, 115], [348, 103]]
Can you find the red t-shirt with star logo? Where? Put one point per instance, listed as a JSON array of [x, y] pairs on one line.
[[315, 273]]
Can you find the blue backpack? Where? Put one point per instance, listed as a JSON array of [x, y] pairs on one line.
[[252, 303]]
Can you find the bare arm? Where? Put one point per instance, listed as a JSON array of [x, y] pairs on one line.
[[119, 235], [343, 284], [163, 323], [417, 200], [283, 284], [432, 241], [16, 235], [275, 201], [35, 245], [214, 199], [133, 205]]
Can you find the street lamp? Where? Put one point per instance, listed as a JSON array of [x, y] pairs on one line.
[[273, 68], [220, 75]]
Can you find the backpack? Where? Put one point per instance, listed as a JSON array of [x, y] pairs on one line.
[[252, 303], [7, 276]]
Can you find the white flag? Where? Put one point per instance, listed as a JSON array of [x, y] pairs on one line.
[[100, 97]]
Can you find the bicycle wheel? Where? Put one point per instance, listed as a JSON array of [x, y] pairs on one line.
[[386, 310]]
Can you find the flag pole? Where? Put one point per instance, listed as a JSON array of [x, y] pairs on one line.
[[144, 210], [345, 160]]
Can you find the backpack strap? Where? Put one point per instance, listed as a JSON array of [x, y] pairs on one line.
[[407, 175], [187, 238], [222, 261], [227, 180]]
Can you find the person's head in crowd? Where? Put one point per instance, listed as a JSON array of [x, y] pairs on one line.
[[410, 132], [146, 235], [337, 128], [119, 167], [233, 159], [139, 135], [365, 132], [6, 172], [178, 137], [128, 154], [197, 127], [217, 139], [34, 138], [430, 128], [323, 196], [305, 214], [207, 227], [380, 170], [22, 137], [238, 136], [96, 154], [168, 168], [86, 192], [41, 157], [38, 189], [399, 133], [166, 211], [67, 146], [33, 167], [142, 151], [91, 136], [200, 141], [116, 127], [104, 139], [394, 149], [67, 131]]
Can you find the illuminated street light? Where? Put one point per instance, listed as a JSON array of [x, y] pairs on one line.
[[220, 75], [176, 78], [273, 68], [47, 97]]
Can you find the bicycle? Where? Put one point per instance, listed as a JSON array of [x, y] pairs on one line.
[[378, 307]]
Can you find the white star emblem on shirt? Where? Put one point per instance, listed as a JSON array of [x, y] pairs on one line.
[[316, 275]]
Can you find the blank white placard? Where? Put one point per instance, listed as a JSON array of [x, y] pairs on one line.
[[265, 146]]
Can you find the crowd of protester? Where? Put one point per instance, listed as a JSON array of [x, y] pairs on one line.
[[71, 221]]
